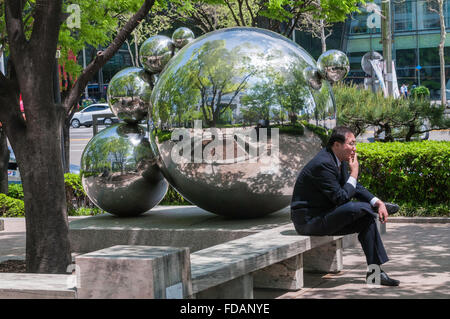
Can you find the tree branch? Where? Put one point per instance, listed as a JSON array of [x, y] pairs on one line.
[[14, 26], [103, 56]]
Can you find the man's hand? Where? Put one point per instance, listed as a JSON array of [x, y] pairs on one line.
[[382, 211], [354, 166]]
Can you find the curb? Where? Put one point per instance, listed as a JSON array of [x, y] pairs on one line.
[[419, 220]]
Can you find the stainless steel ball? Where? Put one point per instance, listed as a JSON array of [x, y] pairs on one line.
[[155, 52], [313, 77], [333, 65], [182, 36], [129, 94], [119, 171], [225, 108]]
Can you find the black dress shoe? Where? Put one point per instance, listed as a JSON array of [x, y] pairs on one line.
[[391, 208], [384, 280]]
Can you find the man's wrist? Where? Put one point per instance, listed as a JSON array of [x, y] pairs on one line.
[[376, 202]]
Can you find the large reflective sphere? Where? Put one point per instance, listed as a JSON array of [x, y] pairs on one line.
[[129, 94], [227, 110], [155, 52], [119, 171], [333, 65], [182, 36]]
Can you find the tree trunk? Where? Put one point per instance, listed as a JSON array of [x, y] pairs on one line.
[[323, 38], [441, 53], [66, 131], [4, 160]]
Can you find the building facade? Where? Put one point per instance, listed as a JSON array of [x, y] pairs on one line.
[[415, 40]]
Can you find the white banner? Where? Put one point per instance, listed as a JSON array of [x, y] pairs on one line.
[[396, 92], [378, 68]]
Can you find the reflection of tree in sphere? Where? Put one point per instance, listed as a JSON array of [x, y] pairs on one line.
[[119, 171], [233, 82], [333, 65], [182, 36], [155, 52], [129, 94]]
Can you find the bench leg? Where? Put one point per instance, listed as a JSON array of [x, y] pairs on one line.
[[326, 258], [287, 275], [239, 288]]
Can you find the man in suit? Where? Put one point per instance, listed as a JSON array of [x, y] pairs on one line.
[[322, 200]]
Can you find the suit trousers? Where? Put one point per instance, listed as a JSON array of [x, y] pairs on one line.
[[349, 218]]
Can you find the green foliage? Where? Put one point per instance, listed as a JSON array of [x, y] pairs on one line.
[[15, 191], [321, 132], [397, 118], [417, 173], [173, 198], [420, 92], [11, 207], [297, 129], [75, 195]]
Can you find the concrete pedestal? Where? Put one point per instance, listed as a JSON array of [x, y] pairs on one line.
[[325, 258], [239, 288], [135, 272], [287, 275], [2, 225]]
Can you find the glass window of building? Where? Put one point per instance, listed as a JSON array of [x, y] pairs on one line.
[[426, 17], [404, 15]]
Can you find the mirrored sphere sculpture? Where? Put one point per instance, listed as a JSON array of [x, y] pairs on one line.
[[155, 52], [333, 65], [129, 94], [313, 78], [119, 171], [227, 110], [182, 36]]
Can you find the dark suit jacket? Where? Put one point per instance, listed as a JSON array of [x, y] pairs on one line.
[[321, 187]]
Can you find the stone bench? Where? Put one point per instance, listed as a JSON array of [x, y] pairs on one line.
[[274, 258], [35, 286]]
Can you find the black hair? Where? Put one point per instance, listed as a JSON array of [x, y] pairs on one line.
[[338, 135]]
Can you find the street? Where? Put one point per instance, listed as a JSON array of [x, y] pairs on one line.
[[79, 137]]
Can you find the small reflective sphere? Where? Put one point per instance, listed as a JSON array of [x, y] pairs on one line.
[[365, 61], [119, 171], [227, 110], [155, 52], [313, 78], [182, 36], [129, 94], [333, 65]]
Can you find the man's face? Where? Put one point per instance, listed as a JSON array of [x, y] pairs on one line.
[[345, 151]]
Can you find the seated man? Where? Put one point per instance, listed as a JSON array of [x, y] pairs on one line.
[[321, 202]]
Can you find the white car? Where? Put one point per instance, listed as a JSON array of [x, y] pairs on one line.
[[84, 117]]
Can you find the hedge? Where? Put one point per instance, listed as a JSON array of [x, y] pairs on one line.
[[11, 207], [417, 173]]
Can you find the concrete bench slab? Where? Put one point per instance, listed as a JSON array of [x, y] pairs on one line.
[[35, 286], [135, 272], [236, 259]]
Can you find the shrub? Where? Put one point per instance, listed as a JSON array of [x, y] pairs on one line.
[[15, 191], [173, 198], [75, 196], [11, 207], [420, 92], [417, 173]]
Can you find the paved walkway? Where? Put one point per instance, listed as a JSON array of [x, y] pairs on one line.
[[419, 257]]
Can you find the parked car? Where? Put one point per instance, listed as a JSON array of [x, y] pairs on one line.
[[84, 117], [13, 169]]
